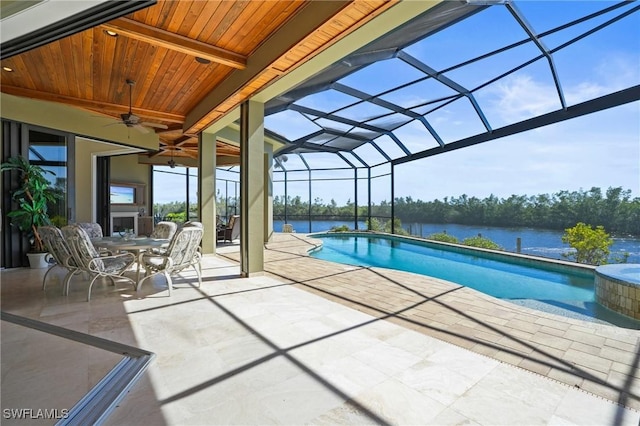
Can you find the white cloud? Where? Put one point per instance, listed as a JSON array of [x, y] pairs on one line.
[[618, 69], [613, 72], [290, 124], [519, 97], [584, 92]]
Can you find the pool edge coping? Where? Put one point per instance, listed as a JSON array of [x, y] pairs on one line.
[[580, 267]]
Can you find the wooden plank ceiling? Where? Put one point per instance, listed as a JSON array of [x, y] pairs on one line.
[[192, 61]]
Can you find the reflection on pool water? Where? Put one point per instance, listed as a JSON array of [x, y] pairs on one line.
[[540, 285]]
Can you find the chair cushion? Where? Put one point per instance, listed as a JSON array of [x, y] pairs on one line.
[[93, 229], [164, 230], [114, 265]]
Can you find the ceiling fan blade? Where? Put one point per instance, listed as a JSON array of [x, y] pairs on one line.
[[140, 128], [155, 125], [114, 123]]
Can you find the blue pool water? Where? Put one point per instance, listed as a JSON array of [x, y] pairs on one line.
[[549, 288]]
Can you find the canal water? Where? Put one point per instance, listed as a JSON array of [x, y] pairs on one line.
[[535, 242]]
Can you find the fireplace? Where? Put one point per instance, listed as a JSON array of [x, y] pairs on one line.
[[124, 220]]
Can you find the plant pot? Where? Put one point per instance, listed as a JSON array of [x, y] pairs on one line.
[[38, 260]]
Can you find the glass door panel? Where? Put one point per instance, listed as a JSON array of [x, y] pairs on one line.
[[51, 152]]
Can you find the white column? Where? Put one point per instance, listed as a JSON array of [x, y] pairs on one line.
[[252, 188], [268, 193], [207, 190]]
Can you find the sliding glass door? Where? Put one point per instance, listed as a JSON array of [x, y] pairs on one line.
[[175, 193], [53, 151]]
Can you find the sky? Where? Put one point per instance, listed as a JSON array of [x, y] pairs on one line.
[[597, 150]]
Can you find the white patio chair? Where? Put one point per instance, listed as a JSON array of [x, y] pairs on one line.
[[57, 247], [164, 230], [182, 252], [93, 229], [193, 223], [87, 258], [199, 225]]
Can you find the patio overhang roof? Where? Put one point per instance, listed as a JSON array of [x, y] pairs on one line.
[[193, 62]]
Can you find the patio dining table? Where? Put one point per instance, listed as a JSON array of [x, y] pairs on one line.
[[136, 245]]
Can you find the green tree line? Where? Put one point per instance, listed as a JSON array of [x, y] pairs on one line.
[[614, 209], [176, 210]]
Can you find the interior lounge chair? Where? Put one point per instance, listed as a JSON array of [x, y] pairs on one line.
[[231, 231], [183, 251], [88, 260]]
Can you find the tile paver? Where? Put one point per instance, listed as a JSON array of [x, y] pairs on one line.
[[558, 347]]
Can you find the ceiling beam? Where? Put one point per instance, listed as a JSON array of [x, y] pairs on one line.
[[190, 154], [182, 140], [54, 115], [227, 152], [312, 16], [156, 153], [176, 128], [102, 107], [159, 37], [397, 14]]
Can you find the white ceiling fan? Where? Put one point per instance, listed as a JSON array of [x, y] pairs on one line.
[[129, 119]]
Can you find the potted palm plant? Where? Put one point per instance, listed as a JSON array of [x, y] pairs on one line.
[[32, 197]]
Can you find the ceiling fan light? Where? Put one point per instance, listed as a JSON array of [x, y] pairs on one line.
[[172, 163]]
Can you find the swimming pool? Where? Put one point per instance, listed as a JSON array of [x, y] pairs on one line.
[[550, 287]]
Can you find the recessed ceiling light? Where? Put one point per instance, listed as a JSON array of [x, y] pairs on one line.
[[202, 60], [111, 33], [7, 69]]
